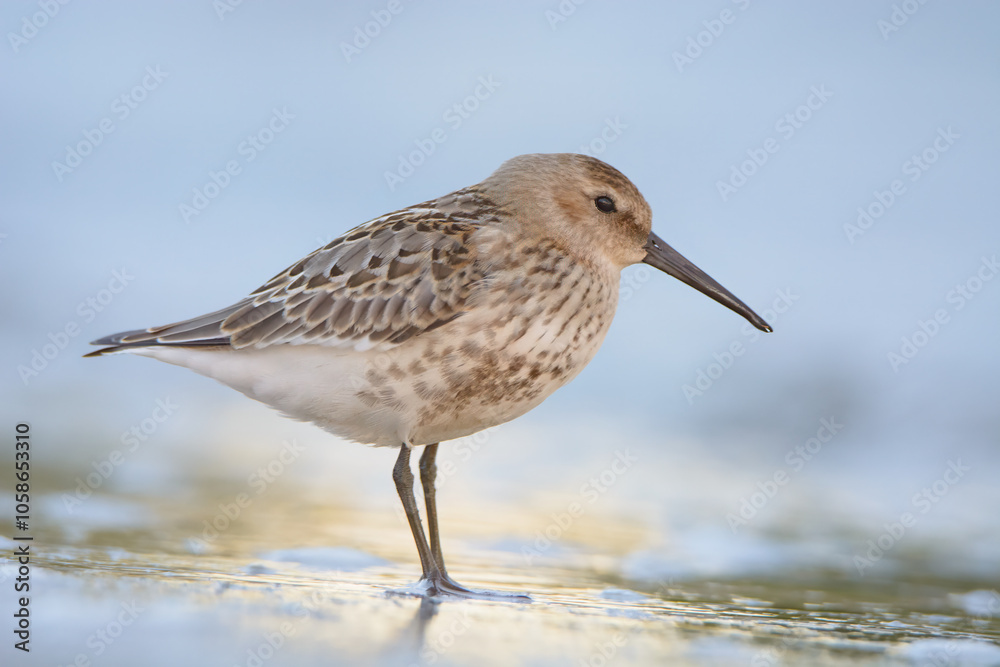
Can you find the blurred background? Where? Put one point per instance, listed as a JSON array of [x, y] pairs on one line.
[[832, 164]]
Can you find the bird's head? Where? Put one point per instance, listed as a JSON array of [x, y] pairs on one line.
[[595, 214]]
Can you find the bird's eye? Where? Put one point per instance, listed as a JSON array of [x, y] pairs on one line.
[[605, 204]]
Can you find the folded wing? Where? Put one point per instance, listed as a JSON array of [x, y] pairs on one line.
[[382, 283]]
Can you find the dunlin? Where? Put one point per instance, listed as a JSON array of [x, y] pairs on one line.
[[438, 320]]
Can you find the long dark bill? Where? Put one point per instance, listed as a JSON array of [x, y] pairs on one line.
[[671, 262]]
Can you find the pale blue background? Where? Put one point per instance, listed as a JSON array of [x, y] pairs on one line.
[[557, 88]]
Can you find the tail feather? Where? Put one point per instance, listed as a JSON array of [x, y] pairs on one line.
[[203, 331], [205, 342]]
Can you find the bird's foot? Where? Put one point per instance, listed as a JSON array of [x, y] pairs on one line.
[[437, 586], [443, 586]]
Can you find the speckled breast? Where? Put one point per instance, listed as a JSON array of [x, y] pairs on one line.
[[532, 331]]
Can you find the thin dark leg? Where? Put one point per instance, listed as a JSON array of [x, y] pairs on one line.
[[440, 582], [428, 473], [436, 578], [403, 478]]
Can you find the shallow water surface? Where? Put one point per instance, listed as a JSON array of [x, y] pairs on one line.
[[270, 543], [269, 593]]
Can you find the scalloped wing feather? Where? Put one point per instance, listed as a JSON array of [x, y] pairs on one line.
[[377, 286]]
